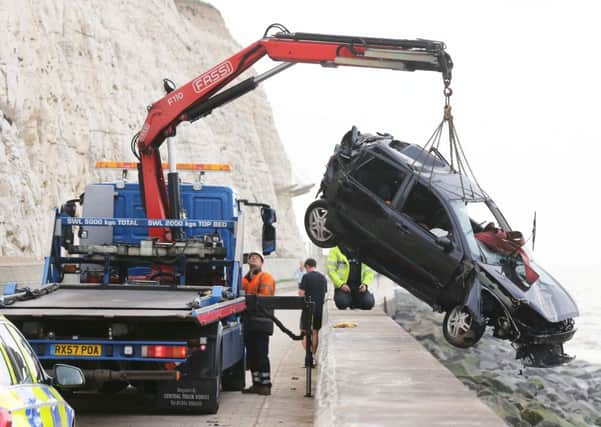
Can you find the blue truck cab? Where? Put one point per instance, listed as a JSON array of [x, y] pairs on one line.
[[164, 317]]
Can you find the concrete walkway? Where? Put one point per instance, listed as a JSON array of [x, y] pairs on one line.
[[378, 375]]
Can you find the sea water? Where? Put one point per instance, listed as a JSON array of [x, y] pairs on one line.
[[586, 344]]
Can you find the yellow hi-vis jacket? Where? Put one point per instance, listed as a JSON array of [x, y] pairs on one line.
[[338, 269]]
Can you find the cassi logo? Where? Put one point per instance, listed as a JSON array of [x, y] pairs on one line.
[[212, 76]]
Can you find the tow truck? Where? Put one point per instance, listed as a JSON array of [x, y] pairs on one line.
[[142, 285]]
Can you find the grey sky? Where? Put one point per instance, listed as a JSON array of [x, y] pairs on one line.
[[527, 95]]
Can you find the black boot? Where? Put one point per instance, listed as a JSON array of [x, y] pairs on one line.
[[253, 389], [263, 389]]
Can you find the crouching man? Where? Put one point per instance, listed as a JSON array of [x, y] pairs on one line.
[[351, 281]]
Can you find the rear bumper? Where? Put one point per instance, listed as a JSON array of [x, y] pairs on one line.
[[106, 375]]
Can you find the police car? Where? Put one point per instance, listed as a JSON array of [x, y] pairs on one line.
[[27, 395]]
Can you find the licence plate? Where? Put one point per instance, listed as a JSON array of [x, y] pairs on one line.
[[83, 350]]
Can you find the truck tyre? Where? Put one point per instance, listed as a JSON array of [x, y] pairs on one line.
[[315, 224], [212, 409], [234, 377], [459, 328]]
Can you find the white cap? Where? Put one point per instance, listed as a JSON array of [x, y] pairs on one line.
[[260, 253]]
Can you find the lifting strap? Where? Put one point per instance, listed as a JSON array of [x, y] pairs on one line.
[[458, 160]]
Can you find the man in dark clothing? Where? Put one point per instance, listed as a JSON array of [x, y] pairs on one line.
[[257, 327], [314, 285]]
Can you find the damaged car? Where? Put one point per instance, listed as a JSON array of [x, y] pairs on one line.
[[407, 213]]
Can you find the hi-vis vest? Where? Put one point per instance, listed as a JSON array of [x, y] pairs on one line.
[[338, 269], [261, 284]]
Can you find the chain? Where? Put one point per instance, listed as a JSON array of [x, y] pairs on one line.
[[447, 91]]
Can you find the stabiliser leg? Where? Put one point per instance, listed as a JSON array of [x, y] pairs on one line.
[[261, 304]]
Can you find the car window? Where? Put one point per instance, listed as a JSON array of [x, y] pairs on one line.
[[27, 353], [14, 354], [5, 378], [379, 177], [427, 211]]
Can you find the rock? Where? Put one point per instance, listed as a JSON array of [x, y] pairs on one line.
[[494, 384], [526, 390], [531, 416], [546, 423], [101, 63], [537, 383], [501, 406], [516, 421], [522, 396]]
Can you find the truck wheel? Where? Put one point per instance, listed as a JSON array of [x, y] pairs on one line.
[[459, 329], [234, 377], [315, 225], [212, 409]]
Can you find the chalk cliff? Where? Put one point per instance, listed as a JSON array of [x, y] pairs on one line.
[[75, 80]]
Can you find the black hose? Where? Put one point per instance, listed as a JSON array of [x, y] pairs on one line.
[[280, 325], [134, 146], [278, 26]]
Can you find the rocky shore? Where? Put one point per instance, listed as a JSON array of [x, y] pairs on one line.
[[569, 395]]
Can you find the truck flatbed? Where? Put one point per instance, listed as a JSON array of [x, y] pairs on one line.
[[119, 301]]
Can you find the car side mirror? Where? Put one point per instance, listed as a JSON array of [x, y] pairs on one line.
[[268, 232], [445, 243], [268, 215], [66, 376]]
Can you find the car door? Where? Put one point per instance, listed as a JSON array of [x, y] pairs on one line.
[[366, 196], [422, 224], [34, 403]]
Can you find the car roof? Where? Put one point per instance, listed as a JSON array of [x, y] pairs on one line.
[[431, 167]]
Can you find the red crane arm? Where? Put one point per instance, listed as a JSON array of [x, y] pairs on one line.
[[199, 97]]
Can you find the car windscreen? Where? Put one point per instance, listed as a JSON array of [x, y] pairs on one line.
[[4, 372], [13, 352], [473, 217]]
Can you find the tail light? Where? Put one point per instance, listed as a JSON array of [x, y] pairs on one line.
[[5, 418], [165, 351], [70, 268]]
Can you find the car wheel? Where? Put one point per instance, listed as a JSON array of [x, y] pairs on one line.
[[315, 225], [460, 329]]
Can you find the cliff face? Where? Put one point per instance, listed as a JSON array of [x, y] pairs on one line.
[[75, 78]]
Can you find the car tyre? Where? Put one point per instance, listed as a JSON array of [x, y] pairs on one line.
[[315, 225], [460, 329]]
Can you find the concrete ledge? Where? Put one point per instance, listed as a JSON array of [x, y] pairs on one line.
[[23, 270], [376, 374]]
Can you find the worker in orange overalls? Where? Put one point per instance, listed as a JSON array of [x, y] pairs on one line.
[[257, 327]]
